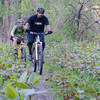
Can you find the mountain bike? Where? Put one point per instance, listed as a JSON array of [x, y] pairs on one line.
[[21, 51], [37, 55]]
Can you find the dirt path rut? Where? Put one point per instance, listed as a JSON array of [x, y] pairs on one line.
[[41, 86]]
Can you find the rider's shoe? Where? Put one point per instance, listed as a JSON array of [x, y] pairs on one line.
[[15, 51], [30, 57]]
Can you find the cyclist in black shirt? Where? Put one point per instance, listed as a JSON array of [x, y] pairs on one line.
[[36, 23]]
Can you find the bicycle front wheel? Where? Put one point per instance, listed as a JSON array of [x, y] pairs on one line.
[[39, 61], [34, 59]]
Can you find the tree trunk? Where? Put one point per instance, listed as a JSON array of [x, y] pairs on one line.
[[10, 19]]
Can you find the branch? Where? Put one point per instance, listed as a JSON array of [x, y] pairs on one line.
[[79, 12], [92, 8], [73, 7], [79, 2], [87, 27], [85, 2]]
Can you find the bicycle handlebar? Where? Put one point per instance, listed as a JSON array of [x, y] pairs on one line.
[[36, 33], [45, 33], [17, 37]]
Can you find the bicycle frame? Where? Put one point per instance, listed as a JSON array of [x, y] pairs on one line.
[[37, 59], [38, 55], [38, 42], [21, 54], [19, 47]]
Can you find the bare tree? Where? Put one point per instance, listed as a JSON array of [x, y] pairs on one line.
[[83, 16], [9, 17]]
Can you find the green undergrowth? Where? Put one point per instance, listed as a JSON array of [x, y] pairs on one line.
[[16, 80], [74, 70]]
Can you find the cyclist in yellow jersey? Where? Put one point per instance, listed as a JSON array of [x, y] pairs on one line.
[[17, 31]]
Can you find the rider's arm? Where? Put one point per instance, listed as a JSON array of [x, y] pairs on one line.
[[29, 22], [27, 30], [12, 31], [48, 27], [27, 26]]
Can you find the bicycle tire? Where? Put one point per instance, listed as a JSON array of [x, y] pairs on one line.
[[24, 54], [41, 59], [34, 65], [33, 59], [39, 62]]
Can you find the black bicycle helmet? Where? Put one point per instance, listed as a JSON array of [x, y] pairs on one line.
[[41, 10], [20, 21]]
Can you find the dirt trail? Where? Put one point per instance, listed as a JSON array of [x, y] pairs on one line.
[[41, 86]]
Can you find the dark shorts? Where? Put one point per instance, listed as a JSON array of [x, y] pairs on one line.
[[31, 38], [19, 39]]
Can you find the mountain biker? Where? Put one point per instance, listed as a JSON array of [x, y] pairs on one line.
[[36, 23], [17, 31]]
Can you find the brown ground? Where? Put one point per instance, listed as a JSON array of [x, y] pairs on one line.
[[41, 86]]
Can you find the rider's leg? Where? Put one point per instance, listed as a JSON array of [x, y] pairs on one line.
[[30, 48], [30, 39], [42, 40], [30, 51], [43, 44], [15, 45]]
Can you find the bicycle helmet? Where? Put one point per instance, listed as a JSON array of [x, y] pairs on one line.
[[41, 10], [20, 21]]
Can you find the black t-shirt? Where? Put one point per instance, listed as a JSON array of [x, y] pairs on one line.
[[37, 24]]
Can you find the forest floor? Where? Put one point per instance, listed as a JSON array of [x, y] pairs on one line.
[[43, 88]]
